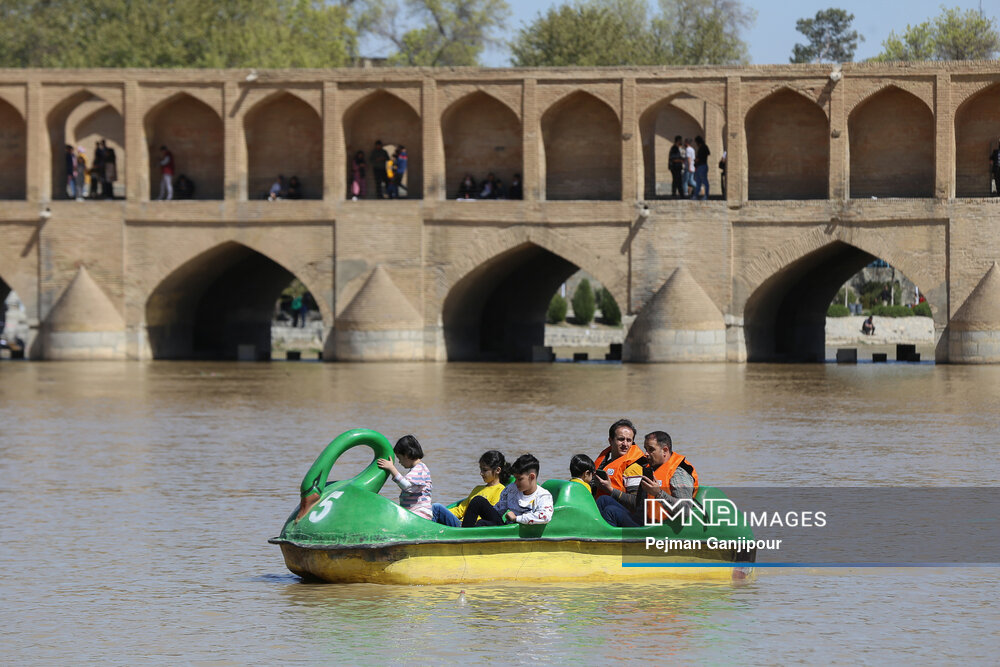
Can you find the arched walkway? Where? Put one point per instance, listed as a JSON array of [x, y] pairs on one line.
[[81, 120], [582, 143], [785, 317], [383, 116], [193, 133], [658, 126], [481, 135], [284, 135], [13, 153], [977, 130], [892, 146], [218, 305], [788, 148], [497, 311]]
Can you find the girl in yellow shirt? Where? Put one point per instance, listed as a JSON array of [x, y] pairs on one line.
[[495, 472]]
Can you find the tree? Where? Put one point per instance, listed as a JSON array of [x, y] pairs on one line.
[[830, 38], [583, 303], [448, 32], [557, 309], [952, 35], [182, 33], [610, 312], [591, 34], [704, 32], [623, 32]]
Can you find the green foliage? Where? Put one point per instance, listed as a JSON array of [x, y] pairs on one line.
[[852, 297], [952, 35], [557, 309], [450, 33], [837, 310], [584, 304], [610, 312], [622, 32], [181, 33], [294, 289], [922, 310], [830, 38]]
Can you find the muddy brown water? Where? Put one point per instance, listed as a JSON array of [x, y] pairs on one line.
[[138, 499]]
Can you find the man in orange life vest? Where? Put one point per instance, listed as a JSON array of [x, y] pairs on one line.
[[617, 460], [666, 476]]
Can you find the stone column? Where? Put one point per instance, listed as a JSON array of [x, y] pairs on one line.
[[839, 156], [137, 168], [434, 184], [334, 151], [630, 141], [736, 176], [235, 162], [944, 149], [37, 188], [530, 133]]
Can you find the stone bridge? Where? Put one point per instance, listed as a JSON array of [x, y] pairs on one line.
[[828, 168]]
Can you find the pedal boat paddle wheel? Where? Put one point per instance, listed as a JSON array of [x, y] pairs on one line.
[[345, 532]]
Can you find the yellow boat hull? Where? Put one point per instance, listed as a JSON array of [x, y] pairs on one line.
[[525, 561]]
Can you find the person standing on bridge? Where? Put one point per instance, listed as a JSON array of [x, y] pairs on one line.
[[166, 174], [995, 171], [675, 163], [701, 168], [378, 157]]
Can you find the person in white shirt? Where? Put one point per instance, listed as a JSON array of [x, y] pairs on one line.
[[523, 501], [689, 156]]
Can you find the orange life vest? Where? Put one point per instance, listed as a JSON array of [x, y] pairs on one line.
[[616, 467], [665, 472]]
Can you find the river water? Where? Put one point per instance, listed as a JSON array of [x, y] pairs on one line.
[[138, 500]]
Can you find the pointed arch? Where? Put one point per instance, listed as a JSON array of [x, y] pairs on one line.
[[62, 123], [788, 147], [891, 138], [785, 313], [658, 125], [284, 135], [383, 116], [193, 132], [13, 153], [582, 146], [481, 135], [214, 302], [977, 131]]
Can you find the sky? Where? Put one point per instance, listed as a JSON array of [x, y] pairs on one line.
[[773, 35]]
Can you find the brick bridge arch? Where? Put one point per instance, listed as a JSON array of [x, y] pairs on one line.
[[225, 289], [783, 292], [492, 304]]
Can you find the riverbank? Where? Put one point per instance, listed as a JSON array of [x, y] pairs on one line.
[[888, 330]]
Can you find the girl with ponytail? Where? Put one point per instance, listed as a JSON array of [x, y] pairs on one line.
[[495, 471]]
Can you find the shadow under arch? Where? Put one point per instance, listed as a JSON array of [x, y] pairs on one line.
[[13, 153], [788, 148], [193, 132], [481, 135], [91, 116], [891, 139], [382, 116], [977, 130], [785, 316], [582, 146], [214, 303], [496, 312], [284, 135], [658, 126]]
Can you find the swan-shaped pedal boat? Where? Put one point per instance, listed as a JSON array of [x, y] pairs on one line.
[[345, 532]]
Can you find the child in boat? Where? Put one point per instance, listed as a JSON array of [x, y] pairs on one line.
[[523, 501], [415, 487], [581, 470], [495, 472]]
